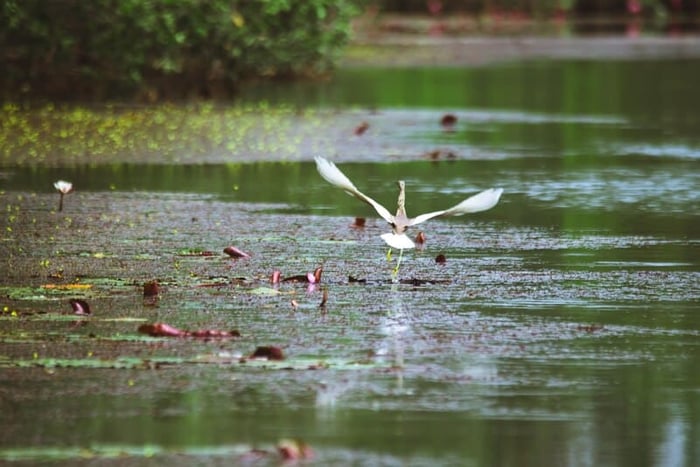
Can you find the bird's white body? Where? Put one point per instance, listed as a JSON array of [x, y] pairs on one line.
[[397, 238], [398, 241]]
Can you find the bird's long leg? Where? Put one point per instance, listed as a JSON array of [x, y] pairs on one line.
[[398, 264], [388, 254]]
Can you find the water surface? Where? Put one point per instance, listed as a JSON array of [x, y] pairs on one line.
[[562, 330]]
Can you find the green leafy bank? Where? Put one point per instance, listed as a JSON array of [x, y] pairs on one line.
[[154, 49]]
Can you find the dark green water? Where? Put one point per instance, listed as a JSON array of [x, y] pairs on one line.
[[563, 329]]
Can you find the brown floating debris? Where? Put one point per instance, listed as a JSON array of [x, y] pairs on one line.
[[80, 307], [214, 281], [309, 277], [361, 128], [438, 154], [166, 330], [161, 330], [291, 450], [270, 352], [359, 223], [297, 278], [448, 121], [419, 282], [234, 252], [213, 333], [590, 327], [151, 288], [440, 259]]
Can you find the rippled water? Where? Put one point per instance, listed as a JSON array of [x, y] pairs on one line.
[[562, 329]]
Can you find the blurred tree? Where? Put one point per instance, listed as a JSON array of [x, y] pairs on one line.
[[157, 48]]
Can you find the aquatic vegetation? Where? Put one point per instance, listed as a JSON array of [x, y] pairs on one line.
[[264, 291], [48, 291], [310, 277], [577, 295], [70, 134], [284, 451], [195, 252], [166, 330], [324, 299], [63, 188], [263, 357]]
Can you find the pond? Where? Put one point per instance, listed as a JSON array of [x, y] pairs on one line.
[[562, 329]]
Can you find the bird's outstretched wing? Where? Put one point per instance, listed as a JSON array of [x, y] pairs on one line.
[[334, 176], [479, 202]]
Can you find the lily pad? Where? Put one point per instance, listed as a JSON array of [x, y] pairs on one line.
[[293, 363], [118, 363], [126, 453], [54, 454], [222, 358], [111, 282], [264, 291], [44, 292]]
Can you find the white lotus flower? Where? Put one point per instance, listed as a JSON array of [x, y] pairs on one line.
[[63, 188]]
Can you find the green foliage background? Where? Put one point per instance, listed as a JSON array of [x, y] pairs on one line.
[[163, 48]]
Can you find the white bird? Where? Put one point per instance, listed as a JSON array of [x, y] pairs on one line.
[[401, 222]]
